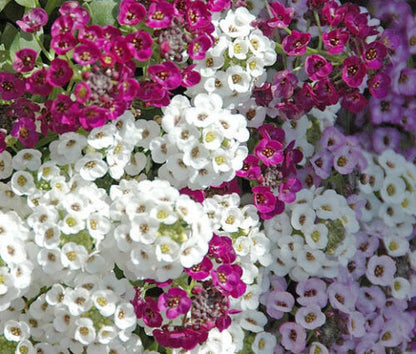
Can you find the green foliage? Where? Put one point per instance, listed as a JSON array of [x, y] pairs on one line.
[[103, 12], [27, 3], [3, 4]]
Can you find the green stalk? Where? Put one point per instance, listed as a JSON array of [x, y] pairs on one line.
[[42, 47]]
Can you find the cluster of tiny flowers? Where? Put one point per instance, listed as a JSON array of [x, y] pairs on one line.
[[314, 235], [158, 231], [202, 143], [273, 166], [91, 314], [236, 63]]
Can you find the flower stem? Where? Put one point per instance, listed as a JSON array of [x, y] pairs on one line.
[[42, 47]]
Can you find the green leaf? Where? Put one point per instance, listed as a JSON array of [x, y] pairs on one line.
[[26, 3], [8, 35], [24, 40], [3, 4], [103, 12]]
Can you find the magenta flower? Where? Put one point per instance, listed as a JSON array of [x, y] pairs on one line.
[[264, 200], [270, 131], [335, 40], [284, 84], [198, 47], [282, 16], [269, 152], [354, 101], [160, 14], [357, 24], [33, 21], [228, 278], [36, 84], [25, 130], [86, 54], [62, 43], [295, 43], [354, 71], [333, 13], [153, 94], [63, 25], [140, 45], [198, 17], [251, 168], [131, 12], [324, 93], [379, 85], [60, 73], [175, 302], [93, 33], [180, 337], [25, 60], [3, 144], [221, 248], [92, 117], [24, 108], [190, 77], [374, 54], [288, 189], [11, 86], [82, 92], [79, 14], [293, 337], [200, 271], [119, 48], [166, 74], [128, 89], [151, 314], [317, 67]]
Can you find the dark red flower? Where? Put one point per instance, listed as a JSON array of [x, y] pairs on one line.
[[25, 130], [59, 73], [25, 60], [374, 54], [335, 40], [353, 101], [379, 85], [317, 67], [354, 71], [36, 84]]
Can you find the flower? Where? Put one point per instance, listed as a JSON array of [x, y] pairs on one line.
[[175, 302], [33, 21], [295, 43]]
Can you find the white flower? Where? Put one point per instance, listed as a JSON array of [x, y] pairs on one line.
[[167, 250], [106, 334], [6, 168], [22, 183], [70, 146], [55, 295], [396, 245], [73, 255], [393, 189], [117, 157], [27, 159], [252, 320], [124, 316], [136, 164], [238, 49], [77, 300], [105, 301], [238, 79], [144, 229], [310, 260], [21, 274], [317, 236], [148, 129], [63, 320], [16, 331], [400, 288], [50, 260], [264, 343], [237, 23], [303, 217], [161, 149], [25, 346], [102, 137], [91, 166], [84, 331], [392, 163], [71, 224]]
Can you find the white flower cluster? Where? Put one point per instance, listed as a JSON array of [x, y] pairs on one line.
[[93, 315], [236, 63], [313, 236], [159, 231], [202, 144]]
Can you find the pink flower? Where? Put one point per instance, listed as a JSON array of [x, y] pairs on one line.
[[119, 48], [269, 152], [140, 45], [333, 13], [198, 17], [11, 86], [166, 74], [33, 21], [251, 168], [74, 10], [190, 77], [93, 33], [288, 189], [82, 92], [175, 302], [60, 73], [160, 14], [62, 25], [379, 85], [295, 43], [281, 16], [24, 108], [131, 12], [284, 84], [25, 60], [180, 337], [153, 94], [353, 72], [354, 101], [221, 248]]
